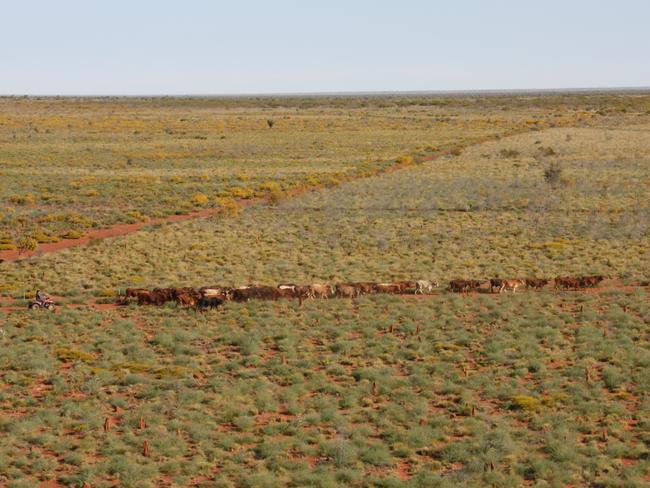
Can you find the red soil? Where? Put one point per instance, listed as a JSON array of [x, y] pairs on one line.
[[50, 484], [403, 470], [114, 231]]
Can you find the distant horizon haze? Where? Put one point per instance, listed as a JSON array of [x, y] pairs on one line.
[[387, 93], [288, 47]]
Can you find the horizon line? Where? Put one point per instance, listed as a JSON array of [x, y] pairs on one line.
[[369, 93]]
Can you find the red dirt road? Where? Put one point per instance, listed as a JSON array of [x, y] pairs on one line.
[[114, 231]]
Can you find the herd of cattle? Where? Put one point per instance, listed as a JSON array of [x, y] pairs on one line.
[[214, 296]]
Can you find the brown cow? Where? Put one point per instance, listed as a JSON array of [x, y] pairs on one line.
[[143, 297], [320, 291], [566, 282], [165, 294], [406, 286], [303, 291], [285, 292], [393, 288], [187, 290], [256, 293], [590, 281], [536, 283], [457, 285], [242, 294], [147, 297], [495, 283], [186, 299], [267, 292], [474, 284], [464, 285], [133, 292], [130, 293], [343, 290], [365, 287], [209, 302], [227, 292]]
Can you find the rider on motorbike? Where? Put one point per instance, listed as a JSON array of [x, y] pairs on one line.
[[41, 300]]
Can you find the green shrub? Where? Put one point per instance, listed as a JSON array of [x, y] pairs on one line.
[[27, 199], [509, 153], [405, 160], [200, 199], [377, 455], [71, 234], [553, 174], [43, 238], [67, 354], [613, 377], [525, 403], [27, 243]]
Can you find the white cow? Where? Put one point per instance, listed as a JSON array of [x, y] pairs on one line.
[[423, 285]]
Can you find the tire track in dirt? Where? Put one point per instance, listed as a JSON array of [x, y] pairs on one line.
[[125, 229]]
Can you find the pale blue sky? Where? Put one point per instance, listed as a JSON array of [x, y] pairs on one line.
[[248, 46]]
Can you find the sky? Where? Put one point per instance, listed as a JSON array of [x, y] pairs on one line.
[[201, 47]]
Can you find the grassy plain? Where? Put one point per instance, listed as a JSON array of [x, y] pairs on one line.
[[487, 212], [538, 389], [534, 389], [69, 165]]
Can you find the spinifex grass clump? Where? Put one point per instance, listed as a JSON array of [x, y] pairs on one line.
[[467, 391]]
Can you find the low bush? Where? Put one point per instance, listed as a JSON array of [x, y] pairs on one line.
[[553, 174], [200, 199], [71, 234], [405, 160], [509, 153], [26, 243], [525, 403]]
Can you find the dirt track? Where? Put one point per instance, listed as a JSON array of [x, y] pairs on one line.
[[125, 229], [114, 231]]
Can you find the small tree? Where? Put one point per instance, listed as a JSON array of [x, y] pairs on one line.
[[270, 123], [552, 174]]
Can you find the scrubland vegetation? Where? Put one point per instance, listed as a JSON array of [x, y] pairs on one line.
[[71, 165], [535, 389], [68, 165], [474, 215]]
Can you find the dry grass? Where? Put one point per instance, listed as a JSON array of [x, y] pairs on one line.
[[534, 389], [75, 164], [444, 391], [475, 215]]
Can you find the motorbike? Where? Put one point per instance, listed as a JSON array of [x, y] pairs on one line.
[[46, 303]]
